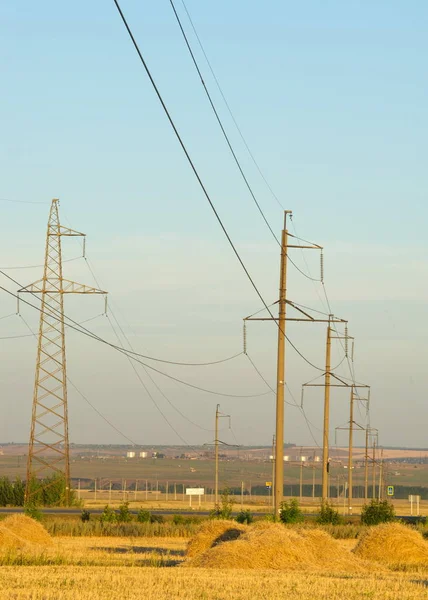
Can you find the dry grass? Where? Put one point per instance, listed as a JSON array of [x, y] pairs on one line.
[[273, 546], [393, 544], [19, 531], [212, 533]]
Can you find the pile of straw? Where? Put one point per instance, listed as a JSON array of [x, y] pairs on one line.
[[19, 531], [274, 546], [393, 543], [213, 533]]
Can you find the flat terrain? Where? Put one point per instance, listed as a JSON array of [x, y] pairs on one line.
[[112, 568]]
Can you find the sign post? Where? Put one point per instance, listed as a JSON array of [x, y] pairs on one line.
[[195, 492], [390, 490]]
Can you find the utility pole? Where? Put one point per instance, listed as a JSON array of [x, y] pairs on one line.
[[374, 470], [366, 467], [48, 452], [325, 463], [218, 415], [283, 302], [370, 431], [273, 467], [381, 476], [350, 466], [278, 490], [301, 479], [352, 424]]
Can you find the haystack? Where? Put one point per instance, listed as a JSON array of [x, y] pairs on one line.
[[19, 531], [393, 543], [279, 547], [213, 533]]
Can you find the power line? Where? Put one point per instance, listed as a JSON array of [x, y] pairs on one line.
[[229, 109], [226, 137], [88, 333], [85, 398], [201, 184], [21, 201], [36, 266]]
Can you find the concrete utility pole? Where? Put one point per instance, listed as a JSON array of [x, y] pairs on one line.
[[370, 431], [325, 465], [218, 415], [350, 467], [283, 302], [374, 470], [273, 468], [280, 376]]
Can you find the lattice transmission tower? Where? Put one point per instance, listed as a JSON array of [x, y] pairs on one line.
[[49, 444]]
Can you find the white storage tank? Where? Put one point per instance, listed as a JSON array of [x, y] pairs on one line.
[[130, 455], [303, 458], [144, 454], [317, 459], [286, 458]]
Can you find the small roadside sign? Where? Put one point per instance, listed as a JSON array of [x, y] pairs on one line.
[[268, 484], [390, 490]]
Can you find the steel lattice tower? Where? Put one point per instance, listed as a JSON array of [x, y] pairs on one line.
[[49, 444]]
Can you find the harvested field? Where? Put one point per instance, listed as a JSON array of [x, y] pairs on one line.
[[393, 544], [273, 546], [133, 583], [19, 531], [212, 533]]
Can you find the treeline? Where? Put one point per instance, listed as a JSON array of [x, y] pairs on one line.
[[43, 492]]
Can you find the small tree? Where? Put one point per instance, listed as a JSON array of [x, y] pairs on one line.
[[143, 516], [108, 515], [378, 511], [329, 515], [124, 514], [290, 512], [224, 509]]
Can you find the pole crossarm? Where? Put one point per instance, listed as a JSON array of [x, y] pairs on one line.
[[308, 317], [46, 286]]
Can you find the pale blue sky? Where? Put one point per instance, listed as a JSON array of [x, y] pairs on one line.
[[331, 97]]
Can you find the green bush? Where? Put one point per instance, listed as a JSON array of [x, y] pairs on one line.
[[224, 509], [378, 511], [143, 516], [329, 515], [124, 515], [85, 516], [156, 519], [245, 516], [178, 519], [108, 515], [33, 512], [290, 512]]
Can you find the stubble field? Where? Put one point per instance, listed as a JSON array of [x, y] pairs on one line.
[[134, 568]]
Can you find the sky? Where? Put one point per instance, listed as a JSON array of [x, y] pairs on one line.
[[331, 98]]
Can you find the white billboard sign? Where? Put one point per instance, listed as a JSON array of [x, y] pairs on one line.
[[195, 491]]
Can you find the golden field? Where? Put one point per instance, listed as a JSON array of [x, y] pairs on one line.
[[391, 563], [119, 568]]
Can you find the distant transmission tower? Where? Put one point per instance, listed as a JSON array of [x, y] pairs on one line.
[[49, 445]]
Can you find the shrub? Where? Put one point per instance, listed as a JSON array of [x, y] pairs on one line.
[[224, 509], [33, 512], [124, 515], [108, 515], [329, 515], [85, 516], [157, 519], [144, 516], [378, 511], [290, 512], [245, 516], [178, 519]]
